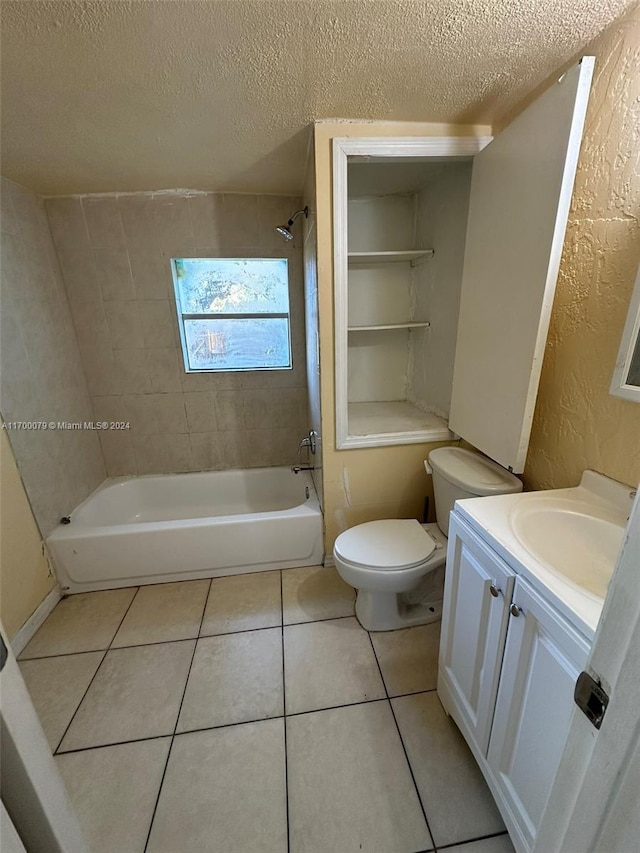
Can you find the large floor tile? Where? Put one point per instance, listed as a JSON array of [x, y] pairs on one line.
[[113, 791], [81, 623], [497, 844], [57, 686], [163, 612], [136, 694], [456, 799], [224, 790], [243, 602], [350, 788], [234, 678], [328, 664], [408, 658], [313, 593]]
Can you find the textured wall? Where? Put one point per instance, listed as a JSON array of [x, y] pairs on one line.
[[114, 253], [577, 423], [24, 572], [377, 482], [111, 96], [41, 375]]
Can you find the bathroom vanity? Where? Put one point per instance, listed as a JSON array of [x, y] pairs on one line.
[[525, 584]]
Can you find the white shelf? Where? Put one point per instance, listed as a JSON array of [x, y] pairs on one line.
[[393, 422], [413, 256], [388, 326]]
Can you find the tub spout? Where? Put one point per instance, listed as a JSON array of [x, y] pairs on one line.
[[297, 468]]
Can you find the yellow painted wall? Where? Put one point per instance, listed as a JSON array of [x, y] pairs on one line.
[[577, 423], [24, 573], [377, 482]]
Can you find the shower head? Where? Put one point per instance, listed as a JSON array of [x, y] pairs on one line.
[[285, 230]]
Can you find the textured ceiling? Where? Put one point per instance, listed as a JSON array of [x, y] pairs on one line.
[[217, 94]]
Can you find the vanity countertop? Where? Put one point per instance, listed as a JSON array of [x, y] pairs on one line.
[[568, 540]]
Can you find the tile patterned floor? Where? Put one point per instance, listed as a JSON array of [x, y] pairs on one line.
[[253, 713]]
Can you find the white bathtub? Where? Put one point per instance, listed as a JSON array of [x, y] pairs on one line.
[[182, 526]]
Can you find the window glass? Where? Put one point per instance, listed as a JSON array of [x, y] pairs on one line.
[[233, 313]]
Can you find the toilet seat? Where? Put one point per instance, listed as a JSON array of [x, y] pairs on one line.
[[387, 545]]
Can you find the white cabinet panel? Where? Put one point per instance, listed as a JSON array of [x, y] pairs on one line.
[[474, 625], [542, 659], [520, 194]]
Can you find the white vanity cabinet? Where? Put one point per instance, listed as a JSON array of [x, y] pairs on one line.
[[508, 665]]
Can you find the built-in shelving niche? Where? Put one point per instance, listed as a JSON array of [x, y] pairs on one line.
[[398, 277]]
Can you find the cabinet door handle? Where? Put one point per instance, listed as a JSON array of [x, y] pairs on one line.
[[515, 610], [495, 591]]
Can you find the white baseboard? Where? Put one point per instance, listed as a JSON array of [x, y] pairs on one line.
[[328, 561], [24, 634]]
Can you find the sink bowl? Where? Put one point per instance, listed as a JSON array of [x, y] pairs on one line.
[[573, 541]]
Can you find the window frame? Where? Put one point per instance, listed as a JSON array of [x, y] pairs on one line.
[[182, 316]]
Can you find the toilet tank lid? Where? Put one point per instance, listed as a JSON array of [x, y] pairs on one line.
[[472, 472], [391, 543]]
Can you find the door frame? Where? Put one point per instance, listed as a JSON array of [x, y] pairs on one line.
[[370, 148], [33, 792]]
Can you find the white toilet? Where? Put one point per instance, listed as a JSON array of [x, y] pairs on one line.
[[387, 560]]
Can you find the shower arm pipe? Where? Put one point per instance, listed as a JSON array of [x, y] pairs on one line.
[[304, 210]]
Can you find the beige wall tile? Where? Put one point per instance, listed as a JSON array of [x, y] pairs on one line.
[[114, 273], [170, 413], [162, 454], [207, 217], [233, 448], [117, 450], [131, 375], [151, 273], [138, 219], [229, 410], [104, 222], [200, 412], [157, 324], [240, 224], [79, 273], [125, 328], [173, 220], [8, 221], [141, 411], [115, 254], [165, 368], [41, 379], [67, 223], [206, 452]]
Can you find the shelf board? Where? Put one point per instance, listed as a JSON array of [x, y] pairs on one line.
[[393, 422], [413, 256], [388, 326]]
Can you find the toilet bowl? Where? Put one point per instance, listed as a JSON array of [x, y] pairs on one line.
[[382, 560], [397, 565]]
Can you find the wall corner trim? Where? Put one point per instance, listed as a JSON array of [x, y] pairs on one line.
[[24, 634]]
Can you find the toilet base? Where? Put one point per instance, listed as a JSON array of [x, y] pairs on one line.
[[388, 611]]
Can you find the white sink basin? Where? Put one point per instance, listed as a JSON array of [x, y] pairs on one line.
[[576, 541]]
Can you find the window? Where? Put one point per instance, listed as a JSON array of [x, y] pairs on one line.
[[233, 313]]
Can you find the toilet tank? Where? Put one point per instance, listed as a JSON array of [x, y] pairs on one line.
[[460, 473]]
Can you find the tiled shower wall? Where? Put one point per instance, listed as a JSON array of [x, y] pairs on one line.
[[114, 252], [41, 378]]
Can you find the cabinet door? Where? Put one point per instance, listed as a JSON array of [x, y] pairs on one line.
[[543, 656], [478, 586], [520, 193]]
